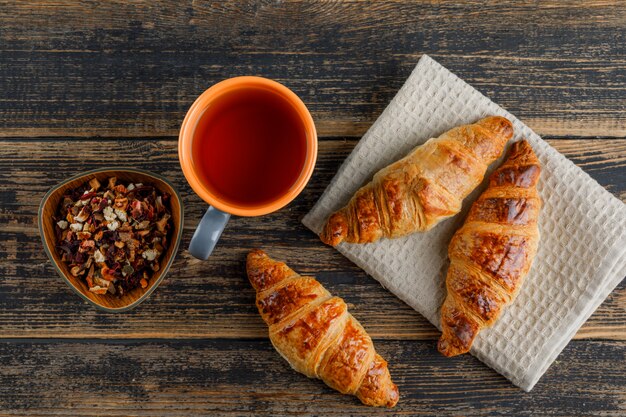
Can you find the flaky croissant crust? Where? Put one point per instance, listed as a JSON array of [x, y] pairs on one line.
[[492, 252], [315, 333], [423, 188]]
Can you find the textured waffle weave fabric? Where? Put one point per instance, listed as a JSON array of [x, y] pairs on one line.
[[582, 252]]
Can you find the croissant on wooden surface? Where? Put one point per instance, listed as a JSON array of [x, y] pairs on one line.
[[314, 332], [492, 252], [423, 188]]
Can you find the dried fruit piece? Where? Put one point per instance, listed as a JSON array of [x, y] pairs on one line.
[[94, 184], [98, 290], [162, 223], [149, 254], [106, 273], [121, 214]]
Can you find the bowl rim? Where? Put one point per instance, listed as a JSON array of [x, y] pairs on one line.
[[195, 113], [165, 270]]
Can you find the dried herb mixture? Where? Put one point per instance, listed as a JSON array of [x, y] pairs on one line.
[[113, 237]]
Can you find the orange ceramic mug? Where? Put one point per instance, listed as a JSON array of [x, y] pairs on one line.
[[247, 147]]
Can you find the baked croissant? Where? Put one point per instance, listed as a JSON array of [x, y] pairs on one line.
[[314, 332], [423, 188], [492, 252]]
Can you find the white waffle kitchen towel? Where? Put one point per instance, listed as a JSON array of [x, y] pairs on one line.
[[582, 252]]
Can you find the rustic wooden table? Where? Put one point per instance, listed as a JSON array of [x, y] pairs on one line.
[[86, 85]]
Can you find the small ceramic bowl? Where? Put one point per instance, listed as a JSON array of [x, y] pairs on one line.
[[50, 204]]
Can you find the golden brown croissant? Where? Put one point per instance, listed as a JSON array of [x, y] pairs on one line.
[[423, 188], [492, 252], [314, 332]]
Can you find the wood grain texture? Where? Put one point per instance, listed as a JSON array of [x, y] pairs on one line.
[[213, 299], [247, 377], [90, 84], [116, 68]]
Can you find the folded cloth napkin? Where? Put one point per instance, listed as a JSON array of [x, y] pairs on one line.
[[582, 252]]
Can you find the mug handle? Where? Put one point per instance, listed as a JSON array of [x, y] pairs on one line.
[[208, 233]]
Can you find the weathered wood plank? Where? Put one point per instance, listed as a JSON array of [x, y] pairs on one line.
[[213, 298], [236, 377], [133, 68]]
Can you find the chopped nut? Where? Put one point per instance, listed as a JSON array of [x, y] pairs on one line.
[[98, 257], [149, 254], [76, 227], [62, 224], [121, 214], [109, 214], [113, 225]]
